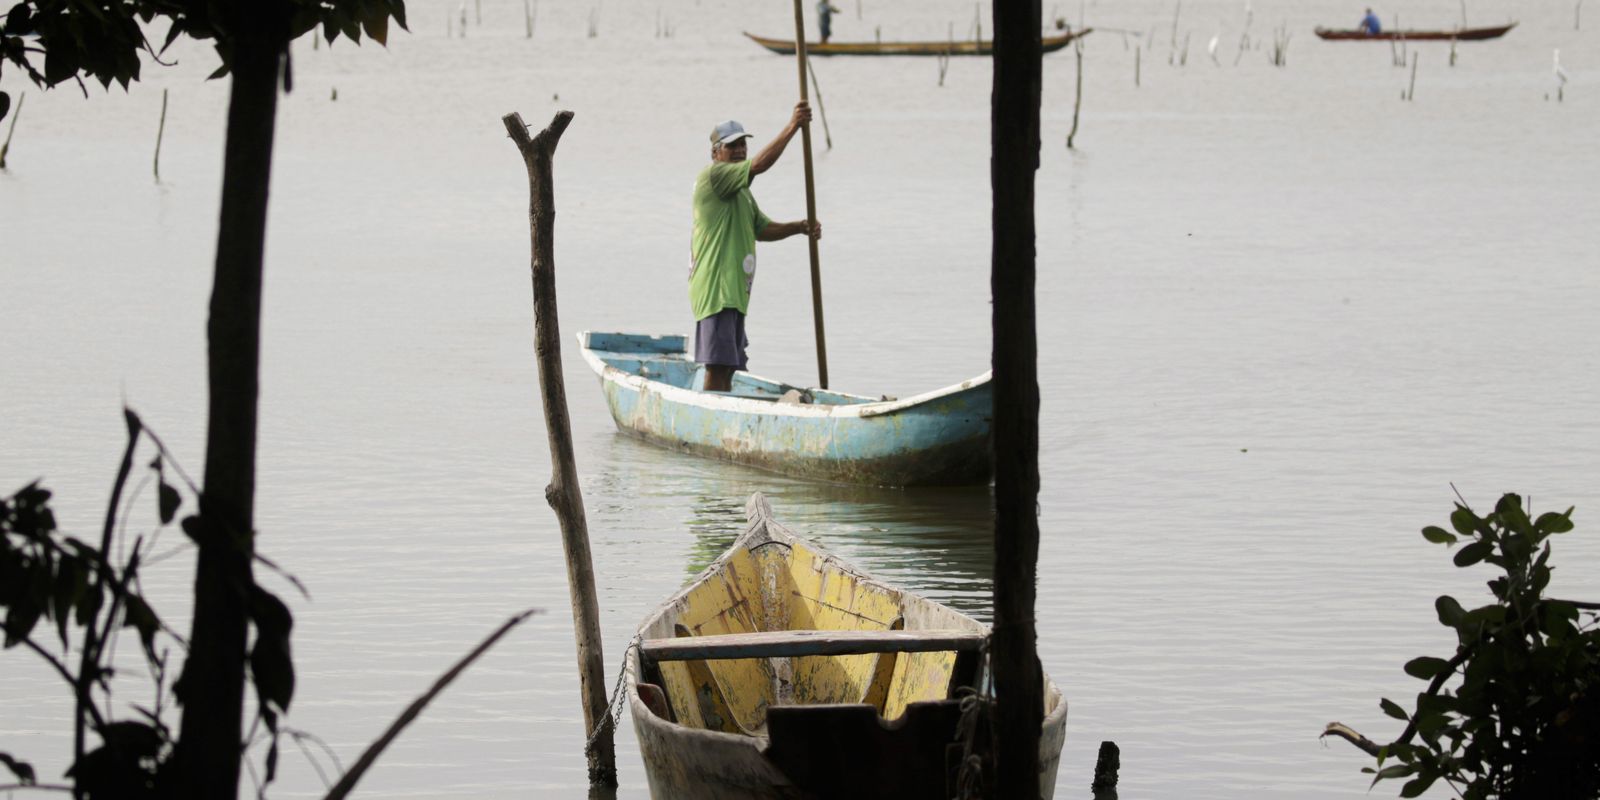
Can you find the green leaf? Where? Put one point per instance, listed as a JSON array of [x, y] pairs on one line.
[[1426, 667], [1451, 614], [1551, 522], [398, 9], [1394, 771], [168, 501], [1491, 614], [1438, 535], [5, 106], [1393, 709], [1416, 786], [1510, 512], [66, 588], [20, 619], [22, 769], [140, 616], [1473, 553], [271, 667], [1464, 521], [376, 23]]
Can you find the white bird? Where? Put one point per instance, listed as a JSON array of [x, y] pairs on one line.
[[1212, 48]]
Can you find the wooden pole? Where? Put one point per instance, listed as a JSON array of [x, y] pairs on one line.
[[15, 112], [162, 129], [811, 202], [1077, 103], [1014, 120], [821, 110], [563, 493]]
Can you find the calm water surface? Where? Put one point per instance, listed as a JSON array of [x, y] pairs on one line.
[[1281, 311]]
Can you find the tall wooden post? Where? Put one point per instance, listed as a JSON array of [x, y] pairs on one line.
[[1014, 120], [811, 202], [563, 493]]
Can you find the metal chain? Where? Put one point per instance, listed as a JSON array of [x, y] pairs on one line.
[[614, 704]]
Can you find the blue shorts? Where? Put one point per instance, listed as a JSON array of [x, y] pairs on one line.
[[719, 339]]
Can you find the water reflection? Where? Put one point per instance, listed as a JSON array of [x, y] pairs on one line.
[[935, 542]]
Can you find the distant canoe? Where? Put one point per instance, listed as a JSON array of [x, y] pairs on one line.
[[938, 438], [1461, 35], [969, 47], [782, 672]]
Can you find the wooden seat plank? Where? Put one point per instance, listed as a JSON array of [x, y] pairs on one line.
[[777, 644]]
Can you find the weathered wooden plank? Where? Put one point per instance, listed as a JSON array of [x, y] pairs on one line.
[[776, 644]]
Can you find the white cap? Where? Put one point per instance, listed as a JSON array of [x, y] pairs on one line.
[[727, 133]]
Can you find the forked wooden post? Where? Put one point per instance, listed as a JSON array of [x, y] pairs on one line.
[[563, 493], [811, 202], [1014, 157]]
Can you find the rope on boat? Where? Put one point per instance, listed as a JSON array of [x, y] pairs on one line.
[[977, 708], [614, 705]]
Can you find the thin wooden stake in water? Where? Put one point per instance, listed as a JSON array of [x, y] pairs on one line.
[[563, 493], [160, 130], [1411, 93], [15, 112], [1077, 103], [821, 110], [811, 202], [1013, 160]]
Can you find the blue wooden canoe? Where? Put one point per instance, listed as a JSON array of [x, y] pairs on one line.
[[939, 438]]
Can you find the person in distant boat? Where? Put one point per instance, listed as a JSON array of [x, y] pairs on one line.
[[825, 12], [727, 225], [1369, 24]]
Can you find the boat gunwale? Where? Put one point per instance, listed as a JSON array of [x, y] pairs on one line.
[[867, 409], [960, 47]]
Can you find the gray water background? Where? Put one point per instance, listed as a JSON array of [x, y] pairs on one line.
[[1280, 312]]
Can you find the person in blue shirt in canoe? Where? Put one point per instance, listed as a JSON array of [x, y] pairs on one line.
[[825, 12], [1369, 24]]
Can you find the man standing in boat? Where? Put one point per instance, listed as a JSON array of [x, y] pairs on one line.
[[1369, 24], [825, 12], [727, 225]]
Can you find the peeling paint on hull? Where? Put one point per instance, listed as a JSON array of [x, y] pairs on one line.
[[939, 438], [771, 579]]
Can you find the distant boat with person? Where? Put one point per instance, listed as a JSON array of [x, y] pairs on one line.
[[1459, 34], [953, 47]]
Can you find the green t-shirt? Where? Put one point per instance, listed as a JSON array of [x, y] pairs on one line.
[[723, 248]]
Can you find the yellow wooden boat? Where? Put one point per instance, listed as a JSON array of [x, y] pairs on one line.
[[783, 672]]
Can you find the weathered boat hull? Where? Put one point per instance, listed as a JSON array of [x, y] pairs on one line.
[[940, 438], [772, 580], [1048, 44], [1462, 35]]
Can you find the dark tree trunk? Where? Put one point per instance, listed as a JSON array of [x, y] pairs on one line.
[[1019, 682], [208, 752]]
